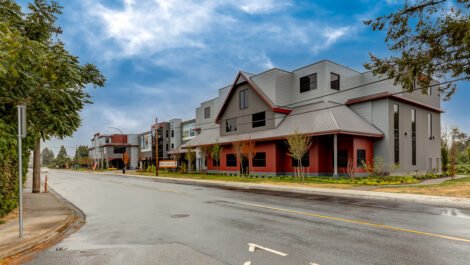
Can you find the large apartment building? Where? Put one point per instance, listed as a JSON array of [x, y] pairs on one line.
[[352, 118]]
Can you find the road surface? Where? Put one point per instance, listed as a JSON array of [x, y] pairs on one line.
[[144, 221]]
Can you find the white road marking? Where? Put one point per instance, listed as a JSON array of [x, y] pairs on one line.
[[247, 263], [252, 247], [311, 263]]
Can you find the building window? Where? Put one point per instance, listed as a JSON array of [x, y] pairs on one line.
[[119, 149], [429, 126], [259, 160], [172, 146], [166, 133], [343, 158], [305, 161], [361, 157], [258, 119], [334, 81], [231, 160], [243, 99], [172, 133], [207, 112], [166, 147], [396, 133], [231, 125], [308, 83], [413, 137], [107, 140], [215, 163]]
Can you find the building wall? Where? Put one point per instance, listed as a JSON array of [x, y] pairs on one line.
[[243, 117], [175, 140], [278, 162], [427, 150]]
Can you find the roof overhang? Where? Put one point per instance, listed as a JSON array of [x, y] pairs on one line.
[[395, 97]]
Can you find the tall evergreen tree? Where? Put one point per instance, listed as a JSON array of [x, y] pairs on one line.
[[47, 157]]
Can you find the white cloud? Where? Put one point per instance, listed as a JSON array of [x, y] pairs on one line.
[[262, 6], [331, 36]]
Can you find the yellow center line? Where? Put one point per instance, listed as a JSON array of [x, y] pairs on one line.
[[358, 222]]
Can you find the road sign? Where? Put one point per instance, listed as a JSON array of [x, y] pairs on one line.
[[22, 121], [168, 164]]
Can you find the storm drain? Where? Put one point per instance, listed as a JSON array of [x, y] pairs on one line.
[[179, 215]]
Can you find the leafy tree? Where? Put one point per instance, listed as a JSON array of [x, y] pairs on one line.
[[237, 149], [62, 160], [444, 156], [47, 157], [215, 151], [431, 39], [298, 145], [190, 156], [81, 156], [42, 74]]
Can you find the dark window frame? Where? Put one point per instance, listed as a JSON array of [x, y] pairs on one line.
[[305, 161], [308, 83], [430, 126], [396, 133], [259, 160], [258, 121], [413, 137], [119, 150], [216, 163], [335, 84], [361, 156], [231, 125], [243, 99], [207, 112], [343, 156], [230, 160]]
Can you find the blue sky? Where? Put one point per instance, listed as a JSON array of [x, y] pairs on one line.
[[162, 58]]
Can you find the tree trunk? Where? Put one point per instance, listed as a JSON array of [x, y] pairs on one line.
[[37, 166]]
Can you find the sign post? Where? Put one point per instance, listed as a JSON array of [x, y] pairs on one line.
[[21, 135]]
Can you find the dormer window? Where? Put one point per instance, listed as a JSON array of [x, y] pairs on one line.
[[334, 81], [243, 99], [308, 83]]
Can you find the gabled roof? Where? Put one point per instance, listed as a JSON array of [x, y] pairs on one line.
[[321, 118], [246, 77]]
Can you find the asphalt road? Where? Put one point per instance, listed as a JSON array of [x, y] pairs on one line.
[[139, 221]]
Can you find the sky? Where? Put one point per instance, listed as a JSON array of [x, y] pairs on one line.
[[162, 58]]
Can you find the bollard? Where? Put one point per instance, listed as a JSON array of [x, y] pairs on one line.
[[45, 184]]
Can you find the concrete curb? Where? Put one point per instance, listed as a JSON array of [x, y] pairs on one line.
[[440, 201], [76, 215]]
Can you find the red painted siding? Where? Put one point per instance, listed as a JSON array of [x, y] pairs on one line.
[[320, 155]]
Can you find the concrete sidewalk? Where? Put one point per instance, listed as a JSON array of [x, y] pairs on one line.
[[441, 201], [46, 218]]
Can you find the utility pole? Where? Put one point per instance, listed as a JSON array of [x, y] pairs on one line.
[[21, 135]]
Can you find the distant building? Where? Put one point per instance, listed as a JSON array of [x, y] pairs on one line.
[[107, 150]]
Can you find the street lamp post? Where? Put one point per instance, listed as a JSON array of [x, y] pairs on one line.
[[123, 146]]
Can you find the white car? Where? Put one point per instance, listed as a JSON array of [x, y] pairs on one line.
[[44, 170]]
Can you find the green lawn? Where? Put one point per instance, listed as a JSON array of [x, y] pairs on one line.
[[347, 182], [453, 188]]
